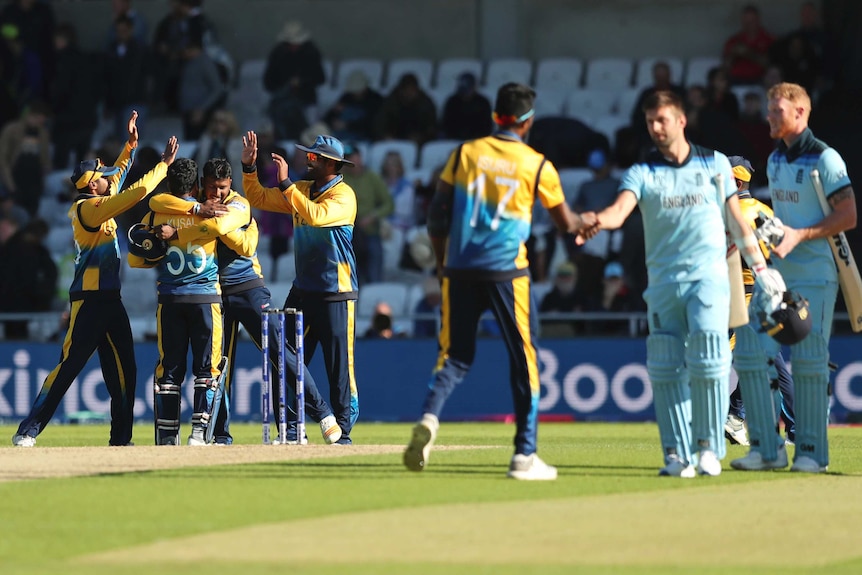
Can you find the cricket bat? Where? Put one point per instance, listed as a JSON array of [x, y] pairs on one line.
[[738, 305], [848, 273]]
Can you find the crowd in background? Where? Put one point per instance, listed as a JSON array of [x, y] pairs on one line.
[[60, 104]]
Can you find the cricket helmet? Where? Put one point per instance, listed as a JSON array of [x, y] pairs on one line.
[[144, 243], [787, 321]]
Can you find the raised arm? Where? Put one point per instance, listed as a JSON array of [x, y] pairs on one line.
[[269, 199], [243, 241]]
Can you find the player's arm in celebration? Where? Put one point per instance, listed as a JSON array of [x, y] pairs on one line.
[[243, 241], [208, 227], [269, 199], [335, 209], [96, 211]]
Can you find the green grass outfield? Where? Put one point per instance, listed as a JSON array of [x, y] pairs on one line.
[[607, 513]]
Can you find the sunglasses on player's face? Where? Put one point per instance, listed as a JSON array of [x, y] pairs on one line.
[[311, 156]]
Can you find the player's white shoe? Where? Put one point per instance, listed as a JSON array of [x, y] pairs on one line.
[[530, 468], [23, 441], [424, 434], [330, 429], [805, 464], [198, 436], [708, 464], [676, 467], [754, 461], [734, 430]]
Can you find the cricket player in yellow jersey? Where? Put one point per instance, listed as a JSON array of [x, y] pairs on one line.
[[189, 310], [98, 320], [325, 288], [478, 221]]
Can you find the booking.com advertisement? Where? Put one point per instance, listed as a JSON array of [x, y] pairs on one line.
[[582, 380]]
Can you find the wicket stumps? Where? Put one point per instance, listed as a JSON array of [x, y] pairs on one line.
[[266, 384]]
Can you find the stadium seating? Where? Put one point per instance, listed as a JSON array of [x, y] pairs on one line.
[[571, 179], [560, 74], [503, 70], [423, 68], [393, 293], [449, 69], [698, 68], [378, 150], [609, 74], [626, 101], [643, 74], [372, 67], [550, 103], [589, 103], [435, 153], [608, 125]]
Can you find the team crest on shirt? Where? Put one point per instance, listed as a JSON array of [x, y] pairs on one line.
[[698, 180], [799, 176]]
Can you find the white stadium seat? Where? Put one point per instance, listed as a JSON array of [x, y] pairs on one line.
[[372, 67], [608, 125], [588, 103], [396, 294], [626, 101], [571, 179], [449, 69], [423, 68], [558, 74], [503, 70], [609, 73], [436, 152], [643, 75], [698, 68], [550, 103]]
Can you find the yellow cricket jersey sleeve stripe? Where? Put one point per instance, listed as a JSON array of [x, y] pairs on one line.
[[335, 207], [243, 241], [96, 211], [550, 190]]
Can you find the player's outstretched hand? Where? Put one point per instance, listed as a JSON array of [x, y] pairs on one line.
[[164, 231], [171, 149], [771, 282], [132, 128], [249, 148], [212, 209], [282, 166]]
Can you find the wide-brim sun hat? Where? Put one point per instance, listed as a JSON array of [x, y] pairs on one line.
[[327, 147]]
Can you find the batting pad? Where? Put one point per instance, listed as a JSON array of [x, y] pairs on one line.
[[752, 365], [811, 376], [671, 394], [708, 358]]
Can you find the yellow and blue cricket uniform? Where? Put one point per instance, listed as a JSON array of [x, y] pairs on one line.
[[495, 182], [244, 296], [189, 313], [98, 320], [766, 400], [809, 270], [325, 288], [688, 352]]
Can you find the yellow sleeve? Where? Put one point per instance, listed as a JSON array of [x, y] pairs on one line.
[[123, 161], [96, 211], [550, 188], [448, 173], [243, 242], [212, 228], [170, 204], [268, 199], [139, 262], [336, 209]]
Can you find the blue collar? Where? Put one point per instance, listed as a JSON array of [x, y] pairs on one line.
[[507, 135], [804, 143], [328, 184]]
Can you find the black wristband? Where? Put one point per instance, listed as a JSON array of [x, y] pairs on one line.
[[249, 169], [284, 184]]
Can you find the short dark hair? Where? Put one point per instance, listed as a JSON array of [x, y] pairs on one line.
[[513, 101], [182, 176], [217, 169], [662, 98]]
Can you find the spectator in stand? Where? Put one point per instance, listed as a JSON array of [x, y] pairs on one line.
[[797, 60], [661, 80], [33, 285], [277, 227], [429, 304], [719, 97], [127, 74], [34, 24], [22, 70], [594, 196], [222, 139], [695, 103], [168, 45], [565, 297], [122, 9], [746, 53], [352, 117], [754, 128], [75, 94], [616, 296], [403, 215], [408, 113], [467, 113], [382, 323], [25, 157], [200, 89], [373, 206], [294, 70]]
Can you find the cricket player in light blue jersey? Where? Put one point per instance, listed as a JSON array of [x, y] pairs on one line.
[[805, 260], [687, 196]]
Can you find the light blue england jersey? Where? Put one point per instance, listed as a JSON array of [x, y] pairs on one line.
[[795, 203], [683, 214]]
